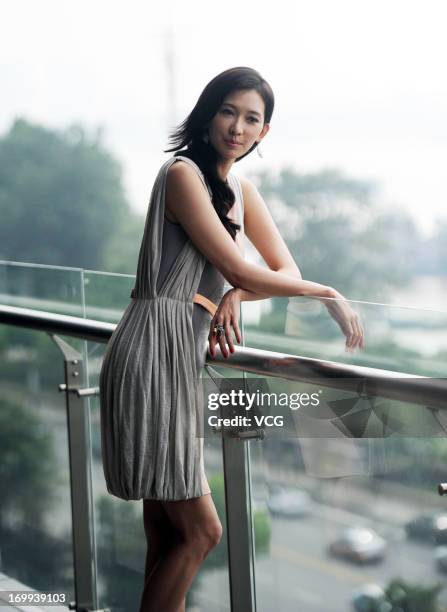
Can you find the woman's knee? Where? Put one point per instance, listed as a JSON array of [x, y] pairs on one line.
[[205, 537], [198, 523], [214, 533]]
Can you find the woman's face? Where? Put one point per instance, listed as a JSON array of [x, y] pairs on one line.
[[240, 119]]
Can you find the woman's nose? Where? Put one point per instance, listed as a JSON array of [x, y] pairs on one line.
[[237, 126]]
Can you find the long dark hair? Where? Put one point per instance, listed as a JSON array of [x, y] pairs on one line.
[[189, 133]]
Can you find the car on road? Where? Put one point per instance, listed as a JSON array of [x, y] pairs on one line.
[[370, 597], [429, 527], [440, 556], [289, 502], [359, 544]]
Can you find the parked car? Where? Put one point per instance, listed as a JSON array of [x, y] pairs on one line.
[[370, 597], [440, 556], [291, 503], [359, 544], [430, 527]]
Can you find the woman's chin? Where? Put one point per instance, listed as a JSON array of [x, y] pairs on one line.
[[230, 154]]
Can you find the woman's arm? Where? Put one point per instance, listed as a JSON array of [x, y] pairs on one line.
[[253, 282], [250, 296], [265, 237], [274, 283], [190, 204], [263, 233]]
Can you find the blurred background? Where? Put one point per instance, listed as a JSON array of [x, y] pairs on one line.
[[353, 172], [353, 167]]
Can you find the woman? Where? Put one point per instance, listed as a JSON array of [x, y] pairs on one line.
[[149, 378]]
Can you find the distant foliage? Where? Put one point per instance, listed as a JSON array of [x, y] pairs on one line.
[[62, 199], [338, 234]]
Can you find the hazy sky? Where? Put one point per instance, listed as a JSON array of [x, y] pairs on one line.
[[359, 86]]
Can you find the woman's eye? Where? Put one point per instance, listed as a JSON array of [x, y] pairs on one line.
[[229, 111]]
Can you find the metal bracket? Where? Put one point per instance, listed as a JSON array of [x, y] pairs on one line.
[[254, 434], [86, 392]]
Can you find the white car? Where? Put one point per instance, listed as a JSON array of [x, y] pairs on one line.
[[360, 544], [370, 597], [290, 503]]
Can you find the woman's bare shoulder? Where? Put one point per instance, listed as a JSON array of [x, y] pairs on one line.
[[189, 200], [179, 172]]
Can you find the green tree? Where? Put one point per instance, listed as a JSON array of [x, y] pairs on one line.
[[29, 479], [338, 235], [406, 597], [62, 201]]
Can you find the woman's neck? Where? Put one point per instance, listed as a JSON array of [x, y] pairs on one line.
[[223, 168]]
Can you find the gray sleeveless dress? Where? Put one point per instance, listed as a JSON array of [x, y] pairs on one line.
[[150, 392]]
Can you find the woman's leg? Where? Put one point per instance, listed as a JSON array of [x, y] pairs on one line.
[[200, 530], [159, 532], [160, 537]]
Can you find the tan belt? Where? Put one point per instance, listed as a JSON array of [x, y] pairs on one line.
[[197, 299], [206, 303]]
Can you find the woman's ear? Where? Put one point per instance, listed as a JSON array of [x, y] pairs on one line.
[[264, 131]]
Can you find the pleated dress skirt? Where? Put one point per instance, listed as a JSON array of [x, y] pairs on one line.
[[151, 397]]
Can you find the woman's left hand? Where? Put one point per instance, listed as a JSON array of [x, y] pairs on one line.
[[227, 314]]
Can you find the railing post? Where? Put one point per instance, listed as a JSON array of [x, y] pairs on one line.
[[239, 524], [240, 530], [78, 425]]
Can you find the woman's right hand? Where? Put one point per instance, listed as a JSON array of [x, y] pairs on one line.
[[348, 320]]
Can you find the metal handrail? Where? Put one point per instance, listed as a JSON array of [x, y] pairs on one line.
[[432, 393], [416, 389]]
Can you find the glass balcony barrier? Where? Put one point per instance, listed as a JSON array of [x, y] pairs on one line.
[[285, 496], [345, 493], [35, 505]]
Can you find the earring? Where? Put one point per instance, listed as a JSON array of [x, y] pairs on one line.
[[259, 151], [205, 137]]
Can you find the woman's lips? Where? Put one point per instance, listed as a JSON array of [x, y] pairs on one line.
[[232, 144]]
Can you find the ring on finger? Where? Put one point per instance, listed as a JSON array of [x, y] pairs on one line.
[[219, 330]]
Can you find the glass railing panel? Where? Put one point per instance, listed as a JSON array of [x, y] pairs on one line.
[[344, 477], [106, 295], [309, 493], [35, 503], [398, 338], [55, 289], [345, 493], [120, 539]]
